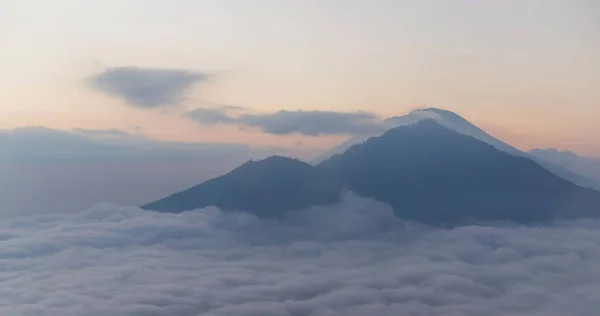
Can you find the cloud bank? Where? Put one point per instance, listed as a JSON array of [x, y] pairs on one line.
[[349, 259], [312, 123], [40, 144], [146, 87]]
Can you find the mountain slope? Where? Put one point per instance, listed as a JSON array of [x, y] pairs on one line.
[[433, 174], [585, 166], [457, 123], [425, 171], [445, 118], [265, 188]]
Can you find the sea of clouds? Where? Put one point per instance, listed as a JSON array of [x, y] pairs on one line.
[[354, 258]]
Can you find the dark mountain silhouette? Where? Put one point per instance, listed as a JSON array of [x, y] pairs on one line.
[[266, 188], [430, 173], [457, 123], [425, 171]]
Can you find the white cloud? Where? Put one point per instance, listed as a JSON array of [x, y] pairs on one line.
[[350, 259]]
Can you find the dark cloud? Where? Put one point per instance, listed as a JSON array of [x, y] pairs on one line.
[[146, 87], [230, 107], [210, 116], [313, 123], [351, 259], [102, 132]]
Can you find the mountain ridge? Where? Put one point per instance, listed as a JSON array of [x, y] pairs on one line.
[[425, 171], [473, 179], [292, 184], [459, 124], [584, 166]]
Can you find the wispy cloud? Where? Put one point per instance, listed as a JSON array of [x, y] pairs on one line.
[[147, 87], [211, 116], [312, 123]]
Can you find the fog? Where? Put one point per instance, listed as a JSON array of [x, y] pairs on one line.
[[354, 258]]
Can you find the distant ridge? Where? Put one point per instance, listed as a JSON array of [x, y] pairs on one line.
[[585, 166]]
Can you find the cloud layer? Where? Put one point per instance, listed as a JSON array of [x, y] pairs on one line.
[[350, 259], [312, 123], [45, 144], [146, 87]]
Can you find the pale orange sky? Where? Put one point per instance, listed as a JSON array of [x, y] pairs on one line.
[[526, 71]]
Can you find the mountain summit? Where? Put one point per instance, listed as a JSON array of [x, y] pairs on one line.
[[425, 171], [445, 118], [430, 173], [457, 123], [265, 188]]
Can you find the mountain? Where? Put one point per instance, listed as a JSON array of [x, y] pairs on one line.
[[457, 123], [264, 188], [445, 118], [425, 171], [585, 166], [430, 173]]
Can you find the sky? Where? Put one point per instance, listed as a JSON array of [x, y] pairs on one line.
[[110, 104], [527, 71], [178, 80]]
